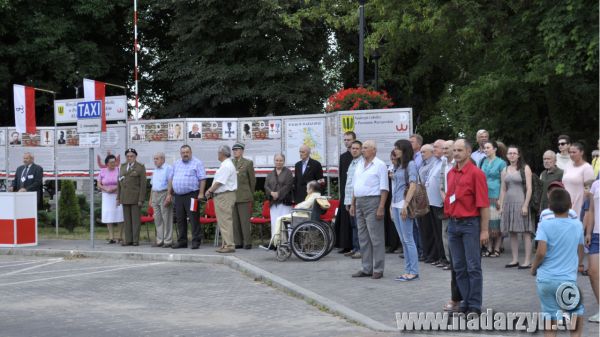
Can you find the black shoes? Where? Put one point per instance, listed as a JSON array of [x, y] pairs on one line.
[[248, 247], [239, 246], [179, 245]]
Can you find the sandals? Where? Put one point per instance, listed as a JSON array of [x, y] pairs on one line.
[[495, 254], [486, 253]]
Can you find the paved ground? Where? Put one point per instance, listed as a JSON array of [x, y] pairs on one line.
[[92, 297], [505, 290]]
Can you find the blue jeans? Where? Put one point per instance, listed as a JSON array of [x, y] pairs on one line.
[[463, 239], [355, 243], [405, 230]]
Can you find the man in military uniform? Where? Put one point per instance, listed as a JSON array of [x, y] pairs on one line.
[[242, 211], [131, 193]]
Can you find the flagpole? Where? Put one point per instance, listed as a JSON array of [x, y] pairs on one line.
[[115, 85], [56, 201], [48, 91]]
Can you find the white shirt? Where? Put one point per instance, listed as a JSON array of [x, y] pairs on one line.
[[563, 162], [227, 176], [433, 185], [370, 180]]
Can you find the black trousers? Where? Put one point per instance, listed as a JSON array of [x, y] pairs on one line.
[[436, 214], [182, 214], [426, 233]]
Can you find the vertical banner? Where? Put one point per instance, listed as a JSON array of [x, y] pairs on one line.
[[24, 101], [305, 130], [262, 139], [333, 135], [385, 126]]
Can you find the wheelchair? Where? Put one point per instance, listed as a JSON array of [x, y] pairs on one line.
[[306, 235]]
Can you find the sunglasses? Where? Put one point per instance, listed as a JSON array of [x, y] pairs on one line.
[[561, 144]]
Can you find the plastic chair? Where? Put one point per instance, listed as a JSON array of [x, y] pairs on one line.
[[147, 219], [210, 217], [330, 213], [264, 218]]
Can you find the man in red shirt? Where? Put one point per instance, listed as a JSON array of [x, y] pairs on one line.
[[467, 206]]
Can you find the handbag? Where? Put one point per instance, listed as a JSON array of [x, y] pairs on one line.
[[419, 204]]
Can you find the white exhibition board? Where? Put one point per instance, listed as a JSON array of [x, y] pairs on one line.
[[263, 138]]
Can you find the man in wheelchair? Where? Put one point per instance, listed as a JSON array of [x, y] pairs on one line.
[[302, 210]]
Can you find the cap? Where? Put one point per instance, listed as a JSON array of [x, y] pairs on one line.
[[237, 146], [556, 183], [131, 150]]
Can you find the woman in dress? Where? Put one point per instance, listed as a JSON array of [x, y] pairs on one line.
[[576, 175], [107, 183], [278, 190], [492, 166], [402, 181], [514, 205]]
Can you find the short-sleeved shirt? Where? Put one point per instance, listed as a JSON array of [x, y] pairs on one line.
[[595, 190], [477, 156], [370, 180], [227, 176], [547, 214], [468, 188], [160, 177], [187, 175], [493, 172], [109, 178], [399, 181], [563, 237]]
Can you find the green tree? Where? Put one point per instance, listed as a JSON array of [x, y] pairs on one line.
[[69, 215]]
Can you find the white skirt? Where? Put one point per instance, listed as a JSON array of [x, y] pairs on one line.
[[111, 213], [277, 211]]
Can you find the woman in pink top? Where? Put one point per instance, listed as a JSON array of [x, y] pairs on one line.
[[107, 183], [576, 175]]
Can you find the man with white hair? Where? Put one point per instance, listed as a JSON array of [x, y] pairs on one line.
[[370, 191], [223, 192], [29, 177], [306, 170], [482, 137], [161, 202], [425, 224], [551, 173]]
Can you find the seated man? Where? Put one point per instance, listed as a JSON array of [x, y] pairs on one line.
[[313, 191]]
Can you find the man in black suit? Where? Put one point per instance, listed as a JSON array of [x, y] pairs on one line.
[[306, 170], [344, 229], [28, 178], [195, 133]]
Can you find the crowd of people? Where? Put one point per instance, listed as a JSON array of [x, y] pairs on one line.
[[448, 203]]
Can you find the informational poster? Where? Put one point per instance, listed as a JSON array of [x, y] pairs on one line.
[[65, 110], [3, 151], [40, 145], [70, 156], [150, 137], [305, 130], [385, 126], [113, 141], [333, 134], [262, 139], [206, 135]]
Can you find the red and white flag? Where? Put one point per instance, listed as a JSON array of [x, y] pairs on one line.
[[96, 91], [24, 99]]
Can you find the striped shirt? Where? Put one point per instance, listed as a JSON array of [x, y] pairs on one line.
[[186, 176]]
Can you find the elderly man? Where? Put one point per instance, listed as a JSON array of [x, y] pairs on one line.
[[223, 191], [131, 193], [160, 201], [425, 233], [436, 203], [550, 174], [306, 170], [355, 151], [467, 206], [370, 191], [482, 137], [242, 210], [187, 182], [343, 223], [28, 178]]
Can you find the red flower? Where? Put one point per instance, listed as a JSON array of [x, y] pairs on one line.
[[358, 99]]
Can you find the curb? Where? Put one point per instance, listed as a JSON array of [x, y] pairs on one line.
[[232, 262]]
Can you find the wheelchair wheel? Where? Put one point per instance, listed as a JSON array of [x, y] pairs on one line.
[[283, 253], [309, 241], [331, 234]]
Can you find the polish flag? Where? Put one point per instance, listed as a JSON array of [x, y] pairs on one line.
[[24, 99], [96, 91]]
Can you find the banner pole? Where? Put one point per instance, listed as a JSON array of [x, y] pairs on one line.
[[56, 200], [92, 196]]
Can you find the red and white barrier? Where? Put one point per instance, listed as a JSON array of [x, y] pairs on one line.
[[18, 219]]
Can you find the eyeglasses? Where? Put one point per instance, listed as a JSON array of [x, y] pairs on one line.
[[562, 144]]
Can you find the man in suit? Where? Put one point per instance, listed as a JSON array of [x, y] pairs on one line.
[[131, 192], [344, 229], [195, 133], [61, 139], [306, 170], [28, 178], [244, 195]]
